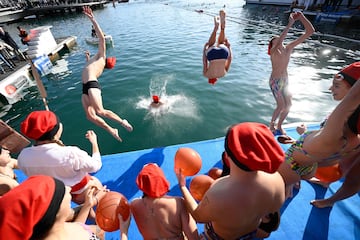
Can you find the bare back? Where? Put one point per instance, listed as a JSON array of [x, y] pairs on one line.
[[163, 218], [216, 68], [239, 212]]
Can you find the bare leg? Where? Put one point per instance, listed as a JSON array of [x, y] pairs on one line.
[[91, 115], [221, 38], [95, 101], [285, 110], [212, 38], [350, 186], [280, 104]]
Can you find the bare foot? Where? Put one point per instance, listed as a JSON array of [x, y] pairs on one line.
[[272, 127], [222, 18], [126, 125], [115, 134], [283, 132], [284, 139], [322, 203], [319, 182], [87, 55]]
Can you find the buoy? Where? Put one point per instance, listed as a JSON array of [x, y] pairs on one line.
[[188, 160], [329, 174], [215, 173], [199, 185]]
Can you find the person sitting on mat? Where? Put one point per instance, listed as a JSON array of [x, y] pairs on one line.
[[7, 175], [336, 140], [157, 215], [254, 159], [49, 156], [39, 207]]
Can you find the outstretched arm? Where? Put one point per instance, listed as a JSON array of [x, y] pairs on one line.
[[309, 30], [102, 47]]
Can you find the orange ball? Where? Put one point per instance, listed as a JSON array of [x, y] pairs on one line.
[[188, 160], [215, 173], [199, 185], [328, 174], [108, 209]]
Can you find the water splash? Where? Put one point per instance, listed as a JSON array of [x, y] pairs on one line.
[[177, 105]]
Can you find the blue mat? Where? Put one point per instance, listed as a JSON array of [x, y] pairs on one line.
[[299, 219]]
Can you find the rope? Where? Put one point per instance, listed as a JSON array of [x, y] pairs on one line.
[[270, 28]]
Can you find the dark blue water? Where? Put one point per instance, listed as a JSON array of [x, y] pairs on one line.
[[158, 45]]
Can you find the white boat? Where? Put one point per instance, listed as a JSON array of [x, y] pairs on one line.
[[12, 87], [18, 78], [95, 40], [270, 2]]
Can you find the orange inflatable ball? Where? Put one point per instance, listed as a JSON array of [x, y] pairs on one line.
[[199, 185], [329, 174], [215, 173], [188, 160], [108, 208]]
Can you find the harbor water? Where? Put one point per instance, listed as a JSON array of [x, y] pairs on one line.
[[158, 46]]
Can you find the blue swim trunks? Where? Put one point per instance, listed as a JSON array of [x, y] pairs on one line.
[[217, 52]]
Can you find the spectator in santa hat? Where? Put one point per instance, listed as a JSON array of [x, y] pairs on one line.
[[38, 209], [233, 206], [49, 156], [168, 214]]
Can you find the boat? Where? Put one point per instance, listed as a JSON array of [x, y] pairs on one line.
[[270, 2], [18, 78], [299, 219], [12, 87], [95, 40]]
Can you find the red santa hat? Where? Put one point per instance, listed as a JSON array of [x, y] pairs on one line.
[[40, 125], [151, 180], [30, 208], [252, 147]]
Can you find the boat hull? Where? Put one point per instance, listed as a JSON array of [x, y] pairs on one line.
[[95, 40]]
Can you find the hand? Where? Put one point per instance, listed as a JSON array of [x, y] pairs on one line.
[[88, 12], [180, 177], [91, 136], [124, 225], [301, 128], [90, 198], [292, 18]]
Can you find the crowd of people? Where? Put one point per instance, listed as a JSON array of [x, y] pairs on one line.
[[254, 164]]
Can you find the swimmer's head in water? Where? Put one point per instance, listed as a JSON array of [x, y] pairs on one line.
[[155, 98]]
